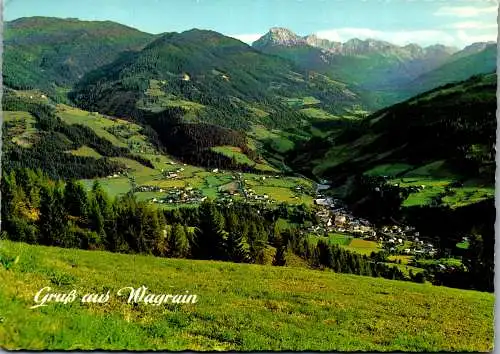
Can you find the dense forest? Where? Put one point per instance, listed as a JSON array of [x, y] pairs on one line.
[[39, 210]]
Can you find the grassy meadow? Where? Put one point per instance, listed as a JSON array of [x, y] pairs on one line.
[[240, 307]]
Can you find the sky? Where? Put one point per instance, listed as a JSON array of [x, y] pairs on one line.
[[425, 22]]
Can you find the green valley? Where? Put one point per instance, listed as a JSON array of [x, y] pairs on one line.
[[315, 195]]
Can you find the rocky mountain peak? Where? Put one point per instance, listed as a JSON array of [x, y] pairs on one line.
[[279, 36], [314, 41]]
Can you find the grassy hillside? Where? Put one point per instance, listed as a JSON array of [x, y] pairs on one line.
[[240, 307], [443, 136]]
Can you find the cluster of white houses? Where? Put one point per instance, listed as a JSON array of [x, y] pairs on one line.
[[335, 218], [177, 195]]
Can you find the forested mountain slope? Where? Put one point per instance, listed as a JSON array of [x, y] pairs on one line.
[[223, 80], [455, 123], [51, 53]]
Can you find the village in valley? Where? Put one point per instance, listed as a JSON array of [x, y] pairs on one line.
[[331, 214], [396, 239]]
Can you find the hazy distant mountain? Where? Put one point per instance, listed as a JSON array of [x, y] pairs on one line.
[[478, 58], [381, 68], [283, 37]]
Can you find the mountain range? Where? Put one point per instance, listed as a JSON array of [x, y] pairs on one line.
[[53, 55], [281, 91], [393, 72]]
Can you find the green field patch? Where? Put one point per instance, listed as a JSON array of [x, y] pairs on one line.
[[275, 139], [468, 195], [22, 127], [21, 116], [299, 102], [430, 188], [240, 307], [422, 198], [137, 169], [170, 183], [258, 112], [336, 238], [112, 186], [260, 132], [86, 151], [362, 246], [317, 113], [256, 180], [210, 192], [234, 152], [317, 132], [156, 99], [402, 258], [214, 180], [119, 132], [459, 196], [265, 167], [281, 194], [95, 121], [405, 268], [146, 196], [281, 144], [449, 262], [436, 169], [35, 96]]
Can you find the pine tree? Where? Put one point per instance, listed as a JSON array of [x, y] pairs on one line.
[[103, 207], [235, 248], [280, 256], [210, 235], [178, 244], [276, 236], [257, 240], [95, 217], [53, 222], [75, 199], [324, 253], [232, 224], [152, 228]]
